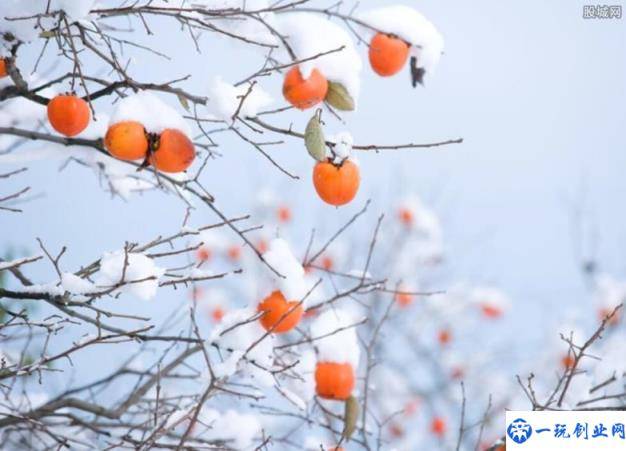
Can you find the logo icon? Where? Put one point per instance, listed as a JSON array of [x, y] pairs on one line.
[[519, 430]]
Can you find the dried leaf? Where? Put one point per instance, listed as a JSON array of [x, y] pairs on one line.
[[351, 415], [338, 97], [314, 138], [47, 34]]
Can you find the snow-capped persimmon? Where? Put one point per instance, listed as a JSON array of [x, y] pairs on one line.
[[173, 151], [336, 184], [304, 93], [334, 380], [3, 68], [388, 54], [127, 140], [68, 114], [279, 315], [438, 426]]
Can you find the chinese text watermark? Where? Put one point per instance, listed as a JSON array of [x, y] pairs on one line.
[[602, 11]]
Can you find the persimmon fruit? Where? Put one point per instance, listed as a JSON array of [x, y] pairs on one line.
[[444, 336], [404, 299], [204, 254], [567, 361], [405, 216], [334, 380], [284, 214], [491, 311], [438, 426], [336, 184], [234, 252], [387, 54], [68, 114], [173, 151], [127, 140], [217, 314], [279, 315], [304, 93], [3, 68]]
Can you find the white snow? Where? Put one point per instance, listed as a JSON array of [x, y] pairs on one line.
[[490, 297], [229, 366], [18, 261], [151, 111], [293, 286], [309, 35], [75, 9], [240, 338], [340, 346], [138, 267], [23, 30], [343, 146], [224, 99], [76, 285], [304, 386], [409, 24], [609, 292], [241, 428]]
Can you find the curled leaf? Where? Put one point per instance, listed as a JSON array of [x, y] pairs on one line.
[[314, 138], [339, 97], [350, 417]]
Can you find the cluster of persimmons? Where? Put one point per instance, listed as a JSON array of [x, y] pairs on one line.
[[338, 183], [172, 151], [333, 380]]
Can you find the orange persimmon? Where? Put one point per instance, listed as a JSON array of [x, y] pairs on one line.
[[204, 253], [336, 185], [284, 214], [303, 93], [444, 336], [406, 216], [127, 140], [217, 314], [387, 54], [3, 68], [68, 114], [173, 151], [279, 315], [334, 380], [438, 426], [491, 311]]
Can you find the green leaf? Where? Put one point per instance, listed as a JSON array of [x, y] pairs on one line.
[[314, 138], [351, 415], [338, 97]]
